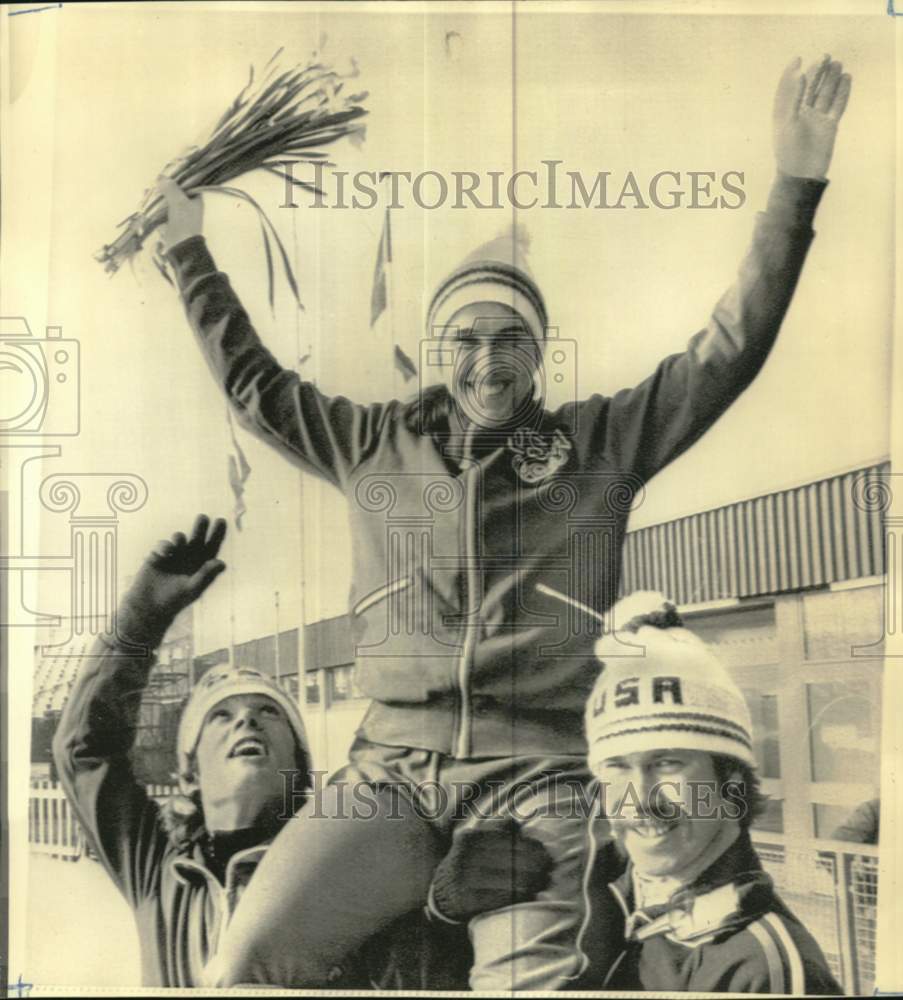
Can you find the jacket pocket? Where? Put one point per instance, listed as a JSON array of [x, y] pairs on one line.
[[381, 593]]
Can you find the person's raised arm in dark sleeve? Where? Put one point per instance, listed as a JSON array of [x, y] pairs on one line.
[[644, 428], [327, 436], [98, 726]]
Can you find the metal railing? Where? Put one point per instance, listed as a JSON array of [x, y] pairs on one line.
[[831, 886]]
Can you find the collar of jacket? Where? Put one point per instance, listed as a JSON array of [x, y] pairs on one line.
[[223, 898], [239, 869], [463, 440], [730, 893]]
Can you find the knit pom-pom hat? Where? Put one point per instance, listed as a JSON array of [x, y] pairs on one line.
[[497, 271], [676, 694]]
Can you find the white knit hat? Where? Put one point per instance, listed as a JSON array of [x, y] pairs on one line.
[[676, 694], [220, 683]]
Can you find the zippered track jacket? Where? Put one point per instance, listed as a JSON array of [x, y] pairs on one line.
[[727, 933], [455, 530]]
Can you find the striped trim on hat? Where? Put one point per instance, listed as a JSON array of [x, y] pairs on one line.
[[488, 280], [721, 727]]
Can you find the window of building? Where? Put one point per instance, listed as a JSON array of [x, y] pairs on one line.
[[771, 820], [312, 687], [341, 685], [844, 735], [829, 818], [743, 636], [763, 709], [815, 703], [148, 729], [837, 622]]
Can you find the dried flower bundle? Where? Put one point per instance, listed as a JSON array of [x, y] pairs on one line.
[[286, 118]]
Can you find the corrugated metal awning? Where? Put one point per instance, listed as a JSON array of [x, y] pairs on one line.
[[817, 534], [328, 643]]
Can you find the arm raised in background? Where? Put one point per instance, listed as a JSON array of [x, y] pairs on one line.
[[645, 428], [98, 725], [327, 436]]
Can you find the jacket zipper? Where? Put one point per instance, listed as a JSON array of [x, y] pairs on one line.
[[589, 864], [471, 483], [616, 892]]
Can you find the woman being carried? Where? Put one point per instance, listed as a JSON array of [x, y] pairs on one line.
[[479, 698]]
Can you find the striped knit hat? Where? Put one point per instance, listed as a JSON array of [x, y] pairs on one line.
[[497, 271], [675, 694]]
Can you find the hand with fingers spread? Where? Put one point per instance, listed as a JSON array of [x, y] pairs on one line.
[[807, 110], [174, 575], [184, 214]]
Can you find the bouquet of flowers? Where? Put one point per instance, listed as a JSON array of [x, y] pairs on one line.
[[287, 117]]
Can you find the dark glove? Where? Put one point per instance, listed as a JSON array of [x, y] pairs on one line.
[[174, 575], [489, 866]]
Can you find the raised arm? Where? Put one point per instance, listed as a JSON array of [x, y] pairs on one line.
[[98, 725], [327, 436], [645, 428]]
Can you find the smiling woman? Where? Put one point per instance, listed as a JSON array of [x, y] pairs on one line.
[[490, 321], [494, 362]]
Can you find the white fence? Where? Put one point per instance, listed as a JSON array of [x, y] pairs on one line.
[[831, 886], [52, 826]]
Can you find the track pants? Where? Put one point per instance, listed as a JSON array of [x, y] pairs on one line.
[[362, 853]]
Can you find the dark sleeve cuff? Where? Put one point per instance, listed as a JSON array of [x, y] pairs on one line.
[[190, 259], [136, 627], [793, 200]]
